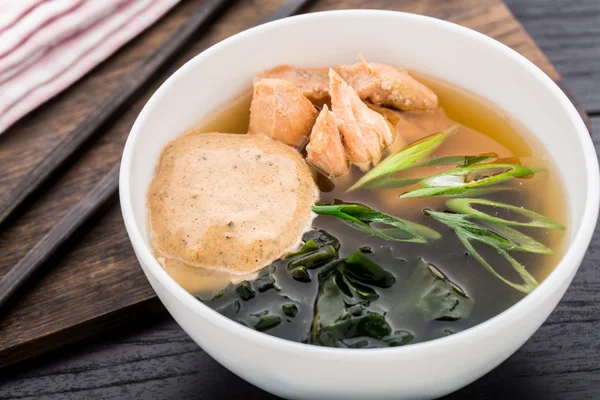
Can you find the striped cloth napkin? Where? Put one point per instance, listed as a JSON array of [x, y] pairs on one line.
[[46, 45]]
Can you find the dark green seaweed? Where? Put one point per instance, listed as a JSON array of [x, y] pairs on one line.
[[351, 302]]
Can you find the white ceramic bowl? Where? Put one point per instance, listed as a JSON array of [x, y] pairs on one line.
[[437, 48]]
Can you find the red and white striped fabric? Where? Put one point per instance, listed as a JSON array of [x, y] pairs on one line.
[[46, 45]]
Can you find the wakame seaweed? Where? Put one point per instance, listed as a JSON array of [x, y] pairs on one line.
[[315, 296]]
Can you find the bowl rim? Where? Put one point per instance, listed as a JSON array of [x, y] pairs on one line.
[[565, 269]]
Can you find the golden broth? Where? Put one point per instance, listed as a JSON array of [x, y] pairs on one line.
[[483, 129]]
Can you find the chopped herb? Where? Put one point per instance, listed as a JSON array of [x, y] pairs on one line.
[[404, 158], [361, 217], [466, 181], [321, 238], [314, 259], [463, 206], [301, 274], [328, 269], [520, 241], [452, 192], [245, 291], [307, 247], [267, 322], [290, 310], [391, 181], [267, 281], [468, 231]]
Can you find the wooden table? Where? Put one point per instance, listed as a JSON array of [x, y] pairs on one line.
[[154, 358]]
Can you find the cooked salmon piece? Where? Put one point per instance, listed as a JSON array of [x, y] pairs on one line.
[[281, 111], [388, 86], [325, 151], [365, 133], [313, 83]]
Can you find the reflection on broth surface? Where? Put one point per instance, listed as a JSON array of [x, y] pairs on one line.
[[394, 292]]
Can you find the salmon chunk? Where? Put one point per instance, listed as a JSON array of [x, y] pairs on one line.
[[365, 132], [325, 150], [314, 84], [388, 86], [280, 111]]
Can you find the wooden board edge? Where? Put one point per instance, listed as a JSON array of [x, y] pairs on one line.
[[60, 338]]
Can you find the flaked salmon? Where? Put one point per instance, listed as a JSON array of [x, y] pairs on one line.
[[325, 151], [388, 86], [365, 133], [313, 83], [281, 111]]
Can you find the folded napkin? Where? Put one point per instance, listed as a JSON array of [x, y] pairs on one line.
[[46, 45]]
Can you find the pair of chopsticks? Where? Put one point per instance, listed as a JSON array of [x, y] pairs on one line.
[[94, 125]]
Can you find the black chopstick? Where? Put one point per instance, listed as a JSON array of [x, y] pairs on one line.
[[93, 201], [109, 110]]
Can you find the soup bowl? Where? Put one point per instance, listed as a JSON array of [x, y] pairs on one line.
[[437, 48]]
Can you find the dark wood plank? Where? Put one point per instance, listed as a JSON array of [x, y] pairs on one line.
[[40, 255], [569, 34], [102, 263]]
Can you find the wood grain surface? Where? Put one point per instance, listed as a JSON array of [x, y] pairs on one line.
[[147, 355], [569, 33]]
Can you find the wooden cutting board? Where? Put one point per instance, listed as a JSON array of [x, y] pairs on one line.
[[97, 283]]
